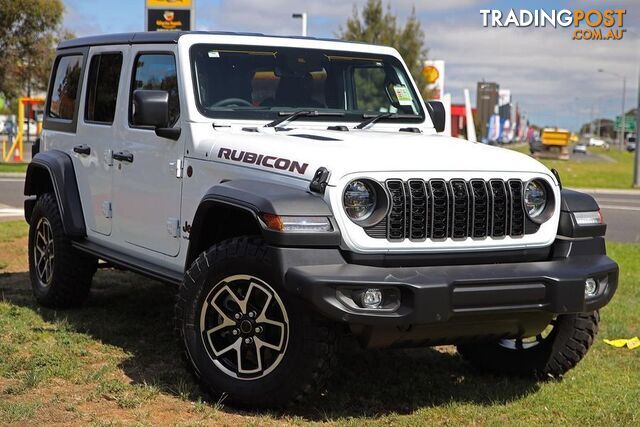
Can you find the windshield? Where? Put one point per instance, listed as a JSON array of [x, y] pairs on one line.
[[249, 82]]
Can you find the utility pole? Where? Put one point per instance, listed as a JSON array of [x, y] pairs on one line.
[[636, 164], [623, 118], [624, 93]]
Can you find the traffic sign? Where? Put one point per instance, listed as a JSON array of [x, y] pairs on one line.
[[629, 123]]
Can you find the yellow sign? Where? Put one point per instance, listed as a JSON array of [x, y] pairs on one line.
[[431, 74], [169, 4]]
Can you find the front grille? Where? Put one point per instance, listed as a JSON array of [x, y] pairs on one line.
[[438, 209]]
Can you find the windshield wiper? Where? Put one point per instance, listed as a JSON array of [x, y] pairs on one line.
[[290, 116], [372, 119]]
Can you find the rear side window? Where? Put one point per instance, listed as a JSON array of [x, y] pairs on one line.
[[64, 91], [102, 87], [157, 71]]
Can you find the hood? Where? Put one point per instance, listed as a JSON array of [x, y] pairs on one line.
[[301, 151]]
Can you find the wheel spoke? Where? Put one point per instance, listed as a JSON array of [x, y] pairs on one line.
[[260, 343], [234, 346], [242, 304], [226, 321]]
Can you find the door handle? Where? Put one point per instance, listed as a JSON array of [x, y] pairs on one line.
[[82, 149], [123, 156]]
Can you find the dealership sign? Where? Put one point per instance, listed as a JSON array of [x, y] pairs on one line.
[[169, 15]]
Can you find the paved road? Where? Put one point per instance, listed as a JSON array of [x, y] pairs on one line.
[[621, 209], [621, 212]]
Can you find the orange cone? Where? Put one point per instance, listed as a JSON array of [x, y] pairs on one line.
[[16, 155]]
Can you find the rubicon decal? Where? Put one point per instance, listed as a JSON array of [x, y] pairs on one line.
[[263, 160]]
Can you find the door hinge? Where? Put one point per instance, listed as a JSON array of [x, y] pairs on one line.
[[179, 165], [106, 209], [173, 227], [108, 157]]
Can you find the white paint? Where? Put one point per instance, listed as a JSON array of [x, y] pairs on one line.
[[146, 194]]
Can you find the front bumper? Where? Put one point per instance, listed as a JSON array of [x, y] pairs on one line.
[[433, 295]]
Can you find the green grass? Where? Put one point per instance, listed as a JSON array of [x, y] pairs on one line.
[[13, 167], [116, 361], [599, 169]]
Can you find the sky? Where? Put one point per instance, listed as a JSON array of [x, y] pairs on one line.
[[553, 79]]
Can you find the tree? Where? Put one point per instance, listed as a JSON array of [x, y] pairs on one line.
[[29, 32], [377, 26]]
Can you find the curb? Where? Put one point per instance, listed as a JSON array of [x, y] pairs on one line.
[[629, 192], [12, 175]]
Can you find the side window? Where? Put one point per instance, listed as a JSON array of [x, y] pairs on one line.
[[157, 71], [102, 87], [65, 87]]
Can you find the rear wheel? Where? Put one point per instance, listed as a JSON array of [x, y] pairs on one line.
[[60, 275], [245, 337], [551, 353]]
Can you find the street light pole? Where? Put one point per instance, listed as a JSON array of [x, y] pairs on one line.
[[303, 17], [624, 94]]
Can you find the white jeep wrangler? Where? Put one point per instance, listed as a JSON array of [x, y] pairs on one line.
[[296, 189]]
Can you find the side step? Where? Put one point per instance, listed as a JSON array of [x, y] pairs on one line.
[[136, 265]]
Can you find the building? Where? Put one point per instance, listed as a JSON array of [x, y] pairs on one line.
[[486, 102]]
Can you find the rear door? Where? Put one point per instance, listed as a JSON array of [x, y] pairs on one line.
[[147, 190], [104, 90]]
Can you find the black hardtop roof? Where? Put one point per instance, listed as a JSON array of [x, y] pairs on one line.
[[149, 37]]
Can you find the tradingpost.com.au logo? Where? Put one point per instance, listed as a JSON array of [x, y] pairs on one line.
[[592, 24]]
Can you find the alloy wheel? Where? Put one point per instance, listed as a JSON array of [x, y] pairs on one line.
[[244, 327], [43, 252]]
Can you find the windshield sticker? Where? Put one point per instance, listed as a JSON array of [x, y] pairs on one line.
[[214, 54], [403, 95]]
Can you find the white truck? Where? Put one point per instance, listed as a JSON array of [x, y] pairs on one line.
[[296, 189]]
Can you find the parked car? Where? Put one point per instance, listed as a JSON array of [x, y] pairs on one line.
[[631, 143], [596, 142], [295, 190], [580, 148]]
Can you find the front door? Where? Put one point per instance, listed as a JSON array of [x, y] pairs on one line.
[[105, 89], [147, 191]]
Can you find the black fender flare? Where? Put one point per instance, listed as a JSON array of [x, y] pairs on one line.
[[57, 167], [256, 198], [575, 201]]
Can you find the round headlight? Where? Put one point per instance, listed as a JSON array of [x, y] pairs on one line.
[[359, 200], [535, 199]]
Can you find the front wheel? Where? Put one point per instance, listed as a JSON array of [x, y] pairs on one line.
[[246, 338], [551, 353]]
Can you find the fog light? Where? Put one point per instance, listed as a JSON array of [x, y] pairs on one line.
[[372, 298], [590, 287]]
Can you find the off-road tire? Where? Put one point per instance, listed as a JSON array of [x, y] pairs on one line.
[[309, 355], [71, 270], [561, 351]]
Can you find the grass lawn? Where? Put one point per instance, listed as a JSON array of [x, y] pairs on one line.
[[13, 167], [115, 361], [599, 169]]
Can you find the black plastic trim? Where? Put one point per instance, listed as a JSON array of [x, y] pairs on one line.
[[130, 263], [575, 201], [445, 293], [59, 167], [444, 258], [257, 197]]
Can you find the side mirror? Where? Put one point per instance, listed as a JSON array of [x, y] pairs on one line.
[[438, 114], [151, 108]]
